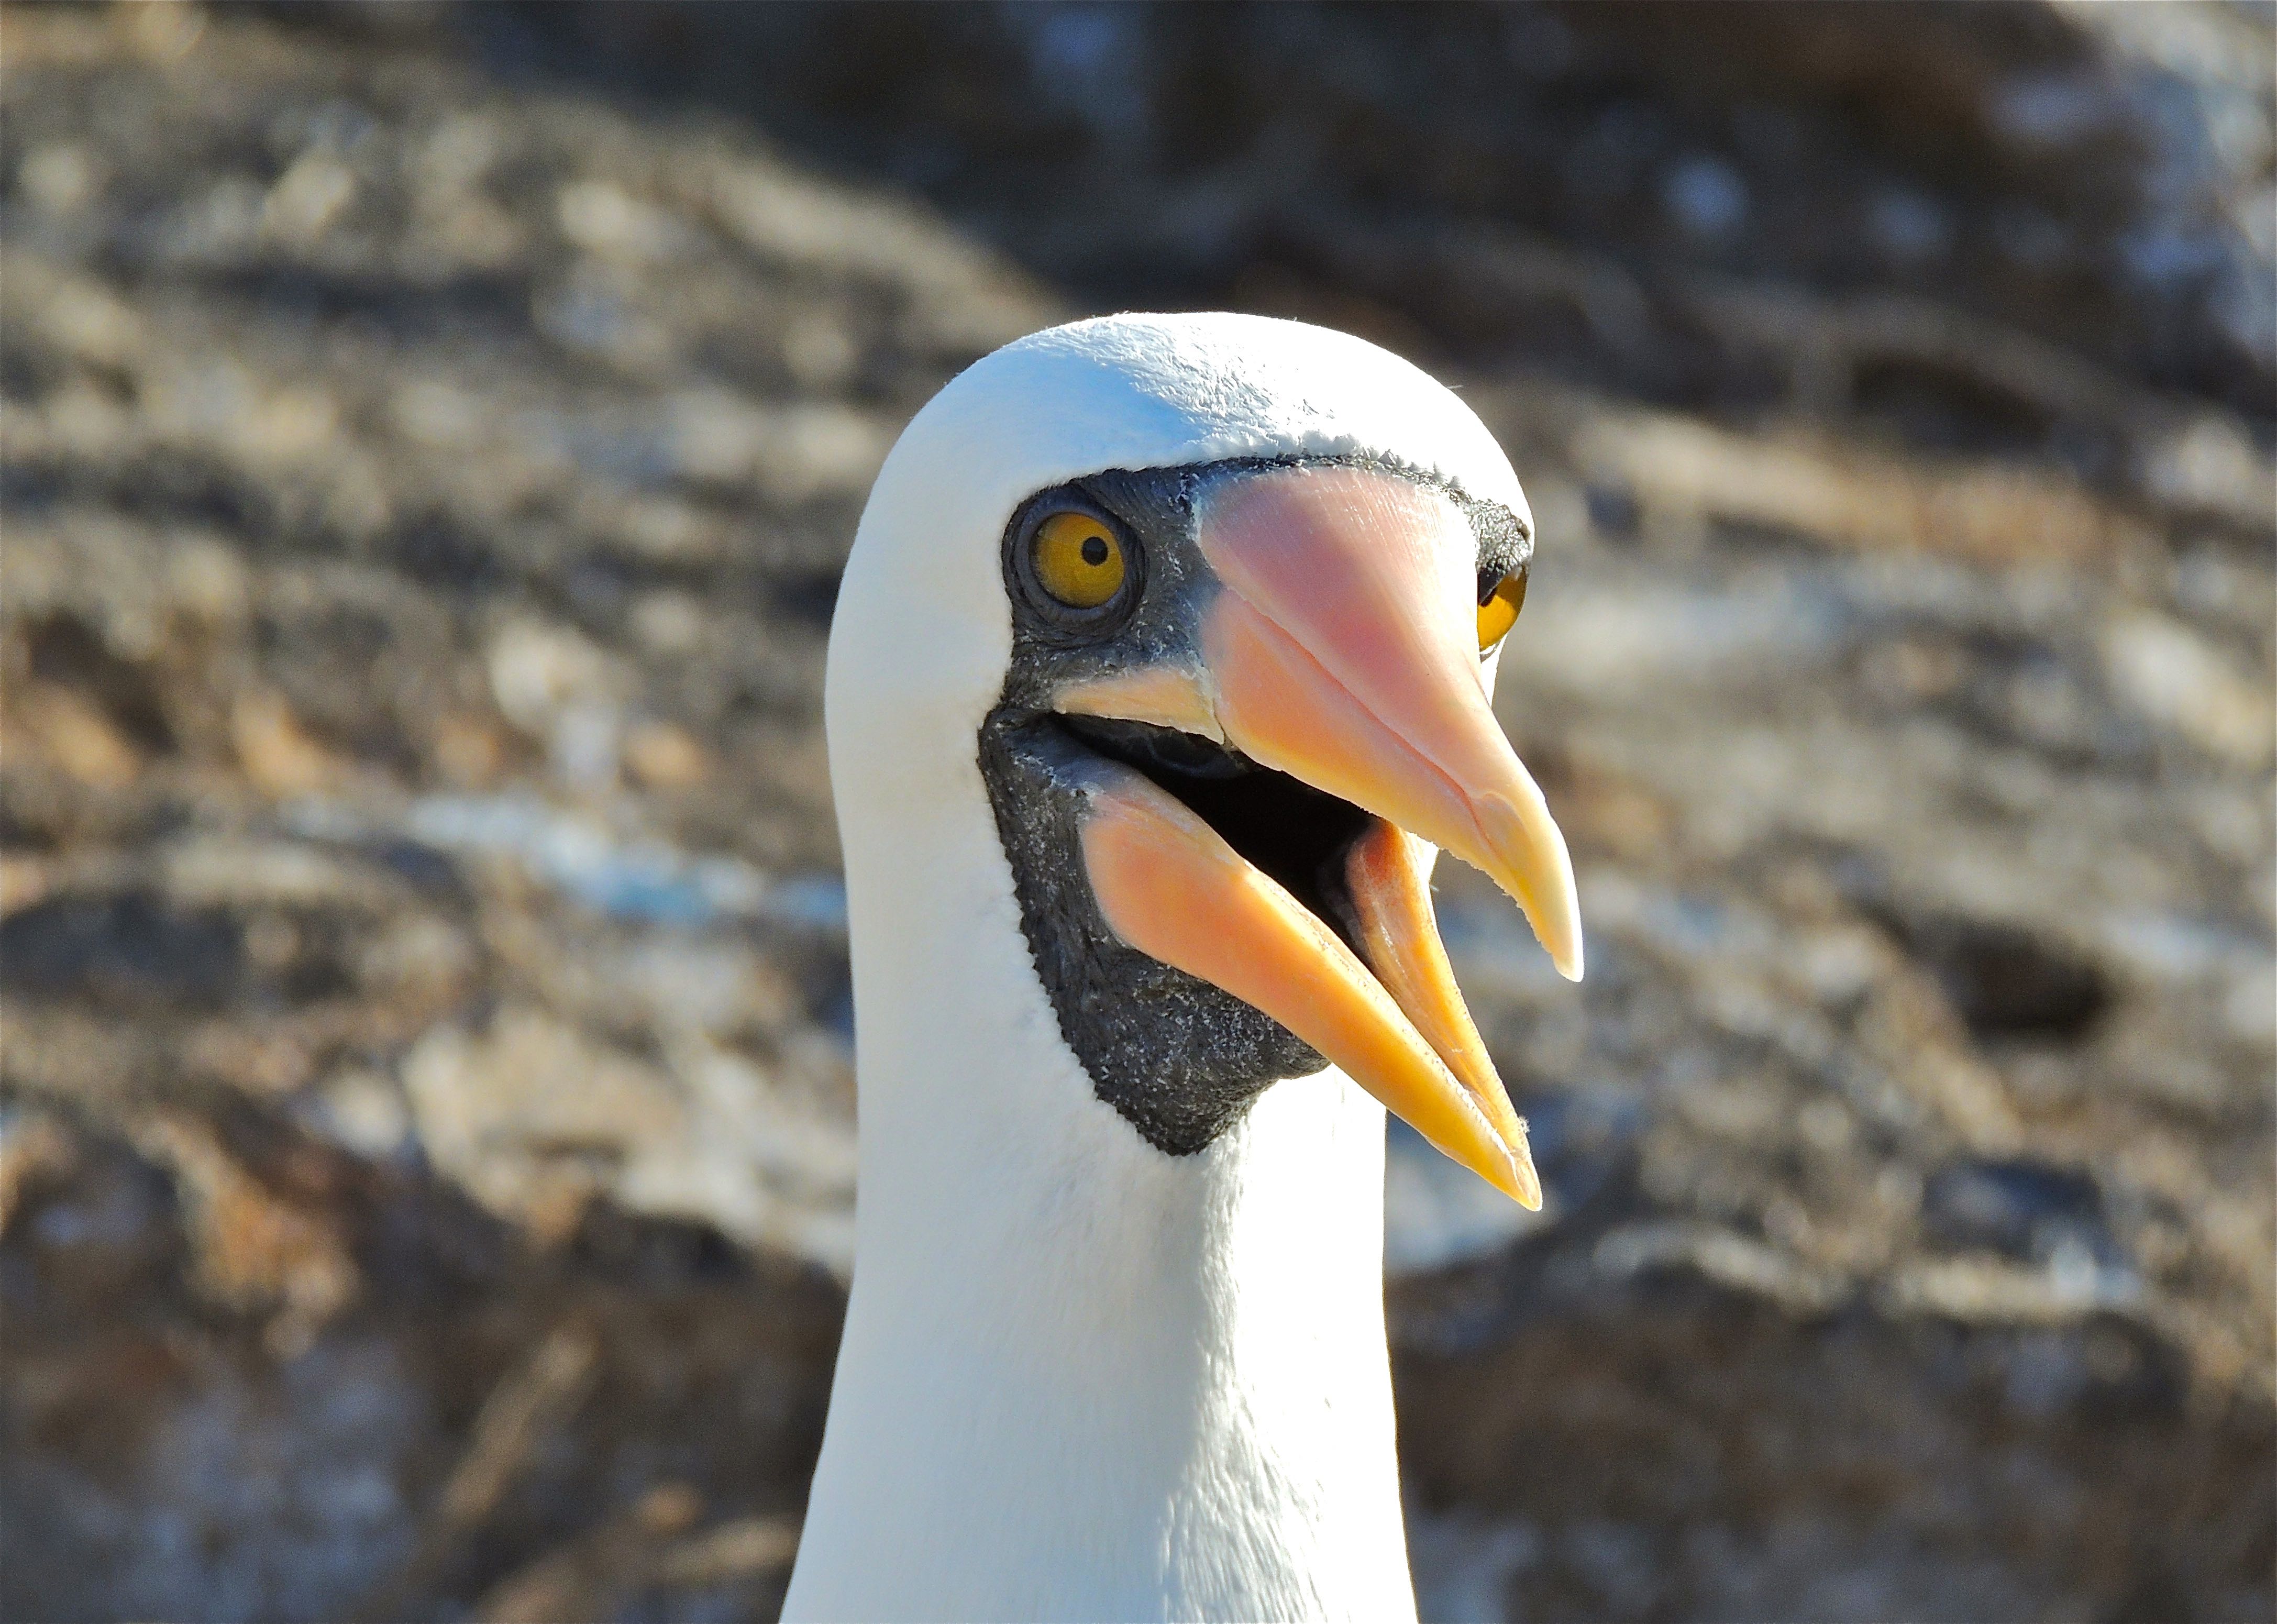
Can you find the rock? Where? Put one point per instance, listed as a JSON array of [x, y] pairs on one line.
[[432, 436]]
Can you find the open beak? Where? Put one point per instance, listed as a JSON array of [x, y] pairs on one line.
[[1341, 650]]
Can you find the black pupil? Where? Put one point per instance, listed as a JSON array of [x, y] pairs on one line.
[[1094, 550]]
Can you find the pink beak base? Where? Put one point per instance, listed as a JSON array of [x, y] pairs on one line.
[[1343, 652]]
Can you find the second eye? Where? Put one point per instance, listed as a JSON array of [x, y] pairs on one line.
[[1500, 598]]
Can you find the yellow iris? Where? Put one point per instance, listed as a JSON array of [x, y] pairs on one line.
[[1498, 609], [1078, 559]]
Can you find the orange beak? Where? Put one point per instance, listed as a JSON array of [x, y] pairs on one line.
[[1341, 650]]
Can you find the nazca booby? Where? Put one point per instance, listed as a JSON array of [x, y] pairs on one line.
[[1164, 648]]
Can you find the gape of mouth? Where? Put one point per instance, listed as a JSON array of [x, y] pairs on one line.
[[1299, 836]]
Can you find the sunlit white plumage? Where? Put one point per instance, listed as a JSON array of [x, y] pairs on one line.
[[1081, 1378]]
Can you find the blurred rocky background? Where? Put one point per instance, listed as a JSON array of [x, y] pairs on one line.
[[431, 437]]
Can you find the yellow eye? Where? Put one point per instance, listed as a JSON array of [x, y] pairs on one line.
[[1078, 559], [1498, 607]]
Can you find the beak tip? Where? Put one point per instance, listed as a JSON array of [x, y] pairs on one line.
[[1562, 942], [1526, 1182], [1533, 865]]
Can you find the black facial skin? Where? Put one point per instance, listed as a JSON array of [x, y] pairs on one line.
[[1180, 1059]]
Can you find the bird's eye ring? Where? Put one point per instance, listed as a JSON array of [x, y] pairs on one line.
[[1076, 567], [1500, 598]]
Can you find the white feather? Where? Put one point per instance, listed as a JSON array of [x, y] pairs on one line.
[[1082, 1379]]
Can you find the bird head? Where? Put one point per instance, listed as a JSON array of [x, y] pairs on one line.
[[1210, 606]]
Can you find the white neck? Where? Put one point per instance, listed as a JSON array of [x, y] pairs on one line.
[[1081, 1378]]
